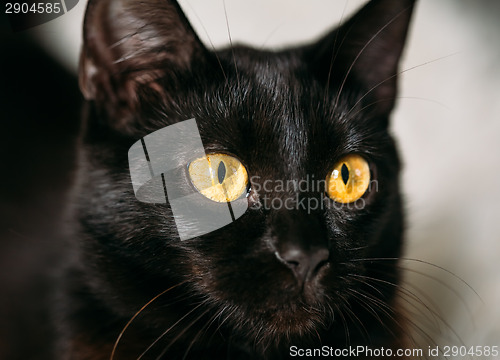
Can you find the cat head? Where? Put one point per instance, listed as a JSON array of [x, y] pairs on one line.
[[299, 259]]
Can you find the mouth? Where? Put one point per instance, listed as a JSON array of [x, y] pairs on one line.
[[285, 322], [299, 320]]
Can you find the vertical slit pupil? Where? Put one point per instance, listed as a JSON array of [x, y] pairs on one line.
[[221, 172], [345, 173]]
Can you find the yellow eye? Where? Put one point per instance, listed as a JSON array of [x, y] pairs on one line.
[[219, 177], [349, 179]]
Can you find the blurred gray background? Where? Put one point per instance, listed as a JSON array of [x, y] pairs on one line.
[[447, 124]]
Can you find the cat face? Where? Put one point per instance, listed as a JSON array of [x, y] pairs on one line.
[[300, 262]]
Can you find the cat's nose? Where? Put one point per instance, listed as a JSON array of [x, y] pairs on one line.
[[305, 263]]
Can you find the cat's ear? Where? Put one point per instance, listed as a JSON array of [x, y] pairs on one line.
[[130, 50], [364, 53]]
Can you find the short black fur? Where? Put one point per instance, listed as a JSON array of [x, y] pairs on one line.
[[287, 115]]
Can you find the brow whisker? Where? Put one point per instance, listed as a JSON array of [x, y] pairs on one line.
[[334, 53], [361, 52], [209, 40], [276, 28], [397, 74], [231, 43], [373, 103]]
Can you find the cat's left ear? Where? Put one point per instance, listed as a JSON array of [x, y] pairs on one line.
[[363, 54], [135, 52]]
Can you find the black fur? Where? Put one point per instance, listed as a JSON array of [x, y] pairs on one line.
[[287, 115]]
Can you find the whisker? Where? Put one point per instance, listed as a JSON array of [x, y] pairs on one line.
[[179, 335], [272, 33], [361, 52], [356, 320], [357, 248], [426, 100], [428, 299], [223, 321], [384, 305], [231, 43], [168, 330], [209, 39], [401, 289], [387, 310], [201, 331], [334, 54], [317, 334], [257, 339], [373, 103], [397, 74], [448, 272], [137, 314], [331, 311], [416, 298], [422, 262], [441, 282], [418, 328], [344, 323], [357, 295]]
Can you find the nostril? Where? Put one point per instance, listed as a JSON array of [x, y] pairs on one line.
[[304, 263], [291, 256], [317, 259]]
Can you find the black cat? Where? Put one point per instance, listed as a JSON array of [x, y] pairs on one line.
[[279, 279]]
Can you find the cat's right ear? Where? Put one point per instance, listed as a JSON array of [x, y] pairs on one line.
[[135, 53]]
